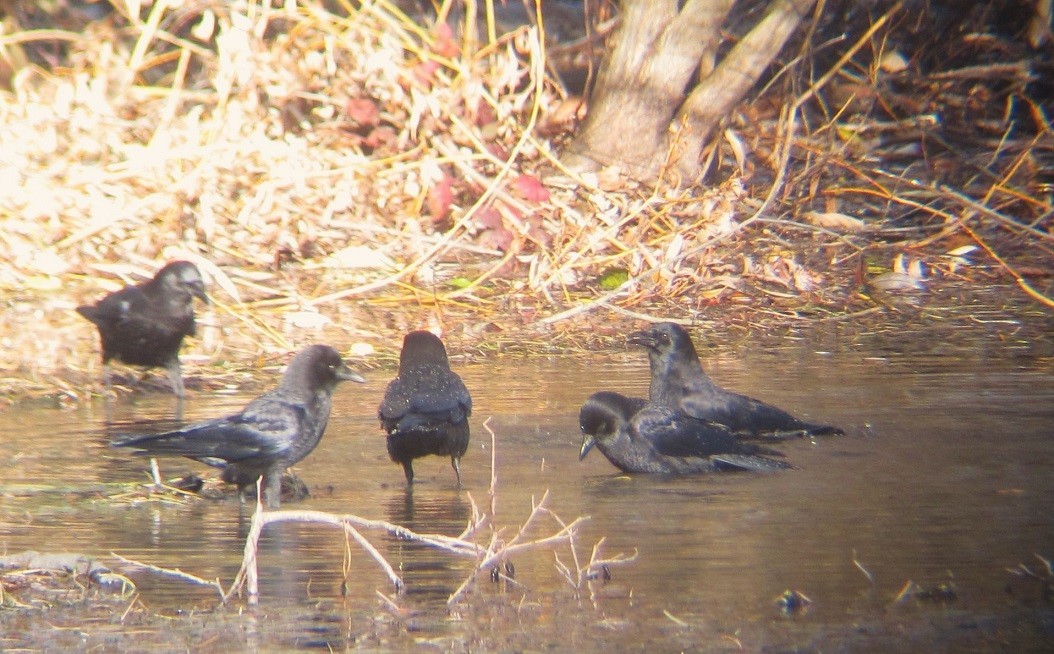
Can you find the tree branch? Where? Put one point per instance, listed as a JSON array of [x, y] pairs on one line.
[[716, 95]]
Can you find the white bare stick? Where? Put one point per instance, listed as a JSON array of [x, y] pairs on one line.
[[564, 570], [456, 596], [477, 522], [493, 470], [560, 537], [537, 510], [247, 575], [170, 572], [350, 524], [574, 551], [389, 602], [498, 551], [449, 543], [372, 551]]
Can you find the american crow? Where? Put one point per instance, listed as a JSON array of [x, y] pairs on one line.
[[426, 407], [144, 325], [678, 382], [273, 432], [637, 436]]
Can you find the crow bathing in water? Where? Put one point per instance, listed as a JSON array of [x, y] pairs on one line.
[[426, 407], [273, 432], [144, 325], [637, 436], [678, 382]]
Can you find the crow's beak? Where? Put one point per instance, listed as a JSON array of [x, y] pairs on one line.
[[347, 374], [587, 444], [645, 338], [198, 290]]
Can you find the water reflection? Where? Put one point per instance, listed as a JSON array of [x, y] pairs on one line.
[[430, 574]]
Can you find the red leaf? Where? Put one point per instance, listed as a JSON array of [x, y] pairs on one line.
[[485, 114], [445, 45], [380, 137], [493, 233], [425, 71], [530, 188], [441, 198], [499, 239], [489, 218], [363, 111]]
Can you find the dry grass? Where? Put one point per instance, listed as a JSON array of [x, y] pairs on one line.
[[346, 174]]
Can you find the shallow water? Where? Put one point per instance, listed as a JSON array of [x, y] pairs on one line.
[[946, 476]]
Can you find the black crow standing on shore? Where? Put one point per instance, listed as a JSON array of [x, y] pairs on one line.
[[273, 432], [144, 325], [678, 382], [426, 407], [637, 436]]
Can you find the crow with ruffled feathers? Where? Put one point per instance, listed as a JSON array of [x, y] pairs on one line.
[[638, 436], [272, 433], [425, 409], [679, 382], [144, 325]]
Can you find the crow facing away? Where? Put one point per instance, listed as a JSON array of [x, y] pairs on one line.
[[273, 432], [426, 407], [678, 382], [144, 325], [637, 436]]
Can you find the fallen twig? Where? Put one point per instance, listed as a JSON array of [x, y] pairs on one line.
[[172, 572]]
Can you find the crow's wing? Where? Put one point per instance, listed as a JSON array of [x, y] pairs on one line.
[[439, 393], [266, 428], [748, 462], [673, 434], [448, 395], [742, 414], [115, 307], [701, 399]]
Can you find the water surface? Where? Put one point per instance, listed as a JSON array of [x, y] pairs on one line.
[[946, 477]]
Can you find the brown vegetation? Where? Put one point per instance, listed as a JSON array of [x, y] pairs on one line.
[[346, 174]]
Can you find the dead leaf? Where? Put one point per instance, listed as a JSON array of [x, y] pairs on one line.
[[445, 45], [739, 150], [424, 72], [363, 111], [359, 256], [893, 62], [484, 113], [441, 198], [912, 267], [494, 234], [530, 188], [958, 257], [836, 222], [610, 179], [896, 281], [380, 137], [307, 319]]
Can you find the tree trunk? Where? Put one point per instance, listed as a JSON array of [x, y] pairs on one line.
[[659, 95]]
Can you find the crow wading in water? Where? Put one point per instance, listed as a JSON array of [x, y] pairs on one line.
[[144, 325], [678, 382], [426, 407], [273, 432], [638, 436]]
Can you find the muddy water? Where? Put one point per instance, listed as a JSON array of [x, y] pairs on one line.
[[946, 477]]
